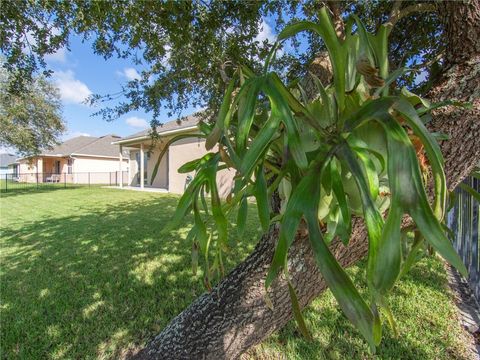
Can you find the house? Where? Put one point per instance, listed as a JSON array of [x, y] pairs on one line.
[[6, 160], [80, 160], [144, 151]]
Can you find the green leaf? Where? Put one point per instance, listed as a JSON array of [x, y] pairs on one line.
[[433, 151], [413, 254], [352, 304], [386, 264], [262, 199], [372, 109], [339, 192], [217, 212], [299, 200], [201, 229], [280, 104], [372, 217], [260, 143], [371, 172], [471, 191], [247, 115], [194, 258], [337, 52], [294, 29], [297, 313], [407, 186], [186, 201], [303, 196]]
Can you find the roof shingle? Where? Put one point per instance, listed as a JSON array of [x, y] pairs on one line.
[[86, 145], [187, 122]]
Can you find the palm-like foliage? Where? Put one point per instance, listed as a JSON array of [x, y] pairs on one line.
[[352, 150]]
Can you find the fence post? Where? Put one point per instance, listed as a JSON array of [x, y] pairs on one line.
[[37, 176], [89, 179], [6, 183], [116, 179], [65, 180]]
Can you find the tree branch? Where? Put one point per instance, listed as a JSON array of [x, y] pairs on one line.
[[337, 18], [397, 14]]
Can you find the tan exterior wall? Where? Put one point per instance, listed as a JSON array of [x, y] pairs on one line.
[[179, 153], [187, 150], [161, 179], [90, 164], [96, 170], [133, 171], [101, 170]]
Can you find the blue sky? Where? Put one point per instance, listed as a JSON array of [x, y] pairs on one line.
[[79, 73]]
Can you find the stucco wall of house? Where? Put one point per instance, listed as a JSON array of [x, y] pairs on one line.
[[97, 170], [28, 169], [161, 179], [84, 170], [186, 150], [132, 181]]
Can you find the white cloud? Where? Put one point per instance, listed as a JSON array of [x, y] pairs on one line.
[[59, 56], [266, 33], [72, 90], [130, 74], [71, 135], [137, 122]]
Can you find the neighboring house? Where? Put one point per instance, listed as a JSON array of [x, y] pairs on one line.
[[6, 161], [83, 159], [144, 152]]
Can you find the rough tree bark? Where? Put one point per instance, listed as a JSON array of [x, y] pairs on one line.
[[232, 318]]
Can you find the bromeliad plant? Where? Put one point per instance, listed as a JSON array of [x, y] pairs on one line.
[[360, 147]]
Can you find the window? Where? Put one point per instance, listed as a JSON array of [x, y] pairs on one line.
[[69, 165]]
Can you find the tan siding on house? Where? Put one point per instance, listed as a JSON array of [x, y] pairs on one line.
[[91, 164], [161, 179], [187, 150]]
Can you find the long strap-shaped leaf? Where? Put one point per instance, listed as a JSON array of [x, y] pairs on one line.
[[262, 199], [247, 114], [406, 184], [273, 90], [433, 151], [216, 133], [352, 304], [371, 110], [336, 50], [345, 224], [373, 218]]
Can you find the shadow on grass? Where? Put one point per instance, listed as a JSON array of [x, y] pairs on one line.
[[97, 283], [30, 189], [90, 286]]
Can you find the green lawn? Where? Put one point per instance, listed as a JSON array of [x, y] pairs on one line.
[[86, 273]]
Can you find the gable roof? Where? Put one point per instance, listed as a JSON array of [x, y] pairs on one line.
[[188, 123], [86, 145], [6, 159]]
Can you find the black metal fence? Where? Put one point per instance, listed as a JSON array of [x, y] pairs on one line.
[[463, 220], [36, 181]]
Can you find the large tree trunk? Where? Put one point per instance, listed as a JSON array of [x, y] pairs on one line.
[[232, 318]]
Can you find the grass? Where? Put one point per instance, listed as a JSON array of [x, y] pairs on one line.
[[87, 273]]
